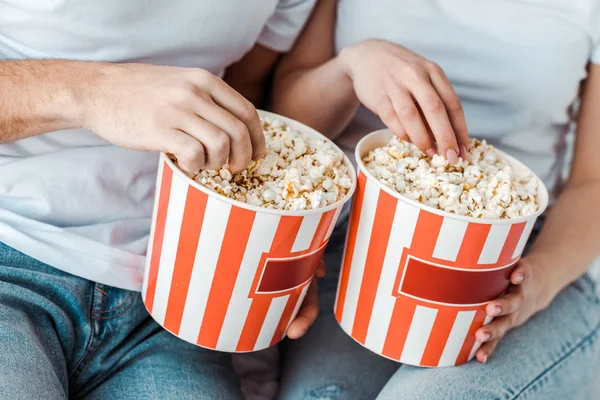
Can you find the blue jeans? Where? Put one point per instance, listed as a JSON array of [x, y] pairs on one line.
[[552, 356], [65, 337]]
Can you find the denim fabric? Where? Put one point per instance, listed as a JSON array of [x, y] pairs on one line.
[[65, 337], [552, 356]]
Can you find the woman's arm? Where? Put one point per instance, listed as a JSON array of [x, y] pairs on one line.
[[569, 240], [410, 94], [249, 76], [311, 84]]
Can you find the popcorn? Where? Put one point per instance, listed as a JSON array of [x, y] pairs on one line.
[[297, 173], [482, 186]]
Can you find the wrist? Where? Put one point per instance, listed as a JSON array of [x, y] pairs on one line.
[[344, 60], [88, 91], [63, 81], [544, 276]]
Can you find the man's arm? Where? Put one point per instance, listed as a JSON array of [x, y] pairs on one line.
[[187, 112], [38, 96]]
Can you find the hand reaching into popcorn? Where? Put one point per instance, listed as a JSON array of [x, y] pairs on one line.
[[411, 94], [188, 112]]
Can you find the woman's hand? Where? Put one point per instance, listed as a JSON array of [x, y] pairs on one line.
[[410, 94], [527, 294], [310, 308]]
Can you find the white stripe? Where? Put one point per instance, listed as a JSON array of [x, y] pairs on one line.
[[477, 344], [456, 339], [494, 244], [296, 309], [259, 242], [449, 239], [333, 222], [271, 322], [179, 189], [211, 237], [361, 247], [152, 227], [418, 335], [401, 234], [523, 239], [306, 233]]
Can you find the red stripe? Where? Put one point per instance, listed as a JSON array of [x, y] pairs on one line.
[[440, 332], [402, 316], [472, 245], [322, 229], [286, 316], [232, 251], [514, 235], [193, 217], [382, 226], [423, 243], [254, 322], [350, 244], [426, 234], [285, 236], [159, 233], [467, 346], [282, 244]]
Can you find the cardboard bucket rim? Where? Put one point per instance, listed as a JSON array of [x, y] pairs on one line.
[[381, 137], [304, 130]]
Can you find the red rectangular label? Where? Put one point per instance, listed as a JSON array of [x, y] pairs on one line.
[[283, 274], [441, 284]]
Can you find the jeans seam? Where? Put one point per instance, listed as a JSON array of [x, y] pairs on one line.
[[131, 303], [90, 345], [126, 302], [586, 339]]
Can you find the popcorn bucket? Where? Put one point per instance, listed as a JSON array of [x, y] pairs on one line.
[[227, 275], [415, 280]]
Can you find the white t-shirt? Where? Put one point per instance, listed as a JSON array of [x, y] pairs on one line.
[[516, 65], [69, 198]]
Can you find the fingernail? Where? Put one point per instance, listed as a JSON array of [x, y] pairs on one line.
[[294, 333], [463, 151], [519, 278], [430, 152], [496, 310], [485, 337], [451, 156], [485, 357]]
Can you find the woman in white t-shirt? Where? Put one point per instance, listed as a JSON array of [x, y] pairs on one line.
[[521, 74]]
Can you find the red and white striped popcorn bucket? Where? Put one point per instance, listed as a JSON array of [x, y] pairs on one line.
[[227, 275], [415, 280]]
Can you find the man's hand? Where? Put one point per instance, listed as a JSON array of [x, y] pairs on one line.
[[310, 308], [189, 113]]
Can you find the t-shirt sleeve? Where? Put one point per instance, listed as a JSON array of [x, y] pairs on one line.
[[285, 24]]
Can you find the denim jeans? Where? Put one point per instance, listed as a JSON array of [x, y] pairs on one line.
[[65, 337], [552, 356]]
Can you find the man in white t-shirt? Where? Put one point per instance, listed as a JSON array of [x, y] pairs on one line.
[[90, 92]]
